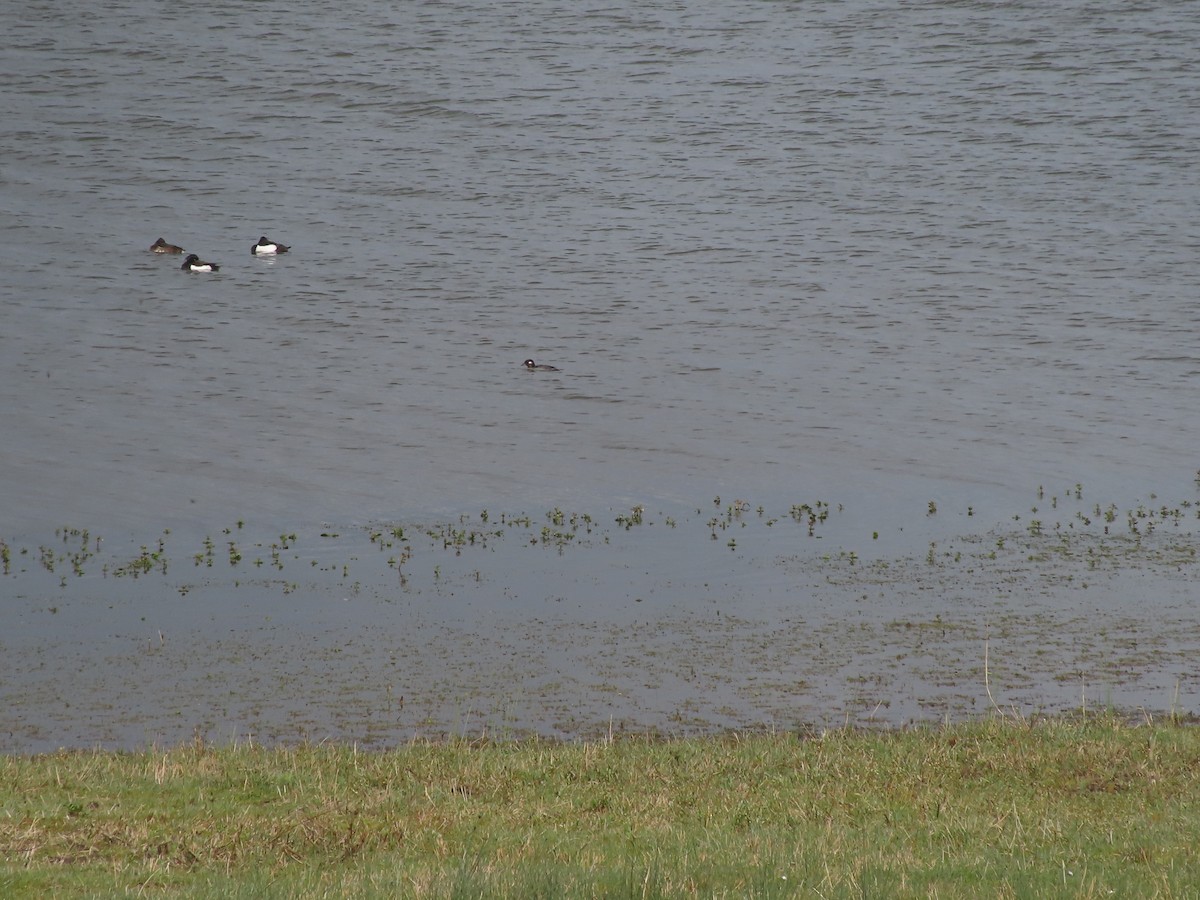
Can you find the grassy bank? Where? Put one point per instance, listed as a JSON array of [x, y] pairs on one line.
[[1091, 808]]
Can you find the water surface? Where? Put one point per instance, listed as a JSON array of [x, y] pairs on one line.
[[781, 252]]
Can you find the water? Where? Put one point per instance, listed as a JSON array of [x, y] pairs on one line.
[[853, 250], [770, 247]]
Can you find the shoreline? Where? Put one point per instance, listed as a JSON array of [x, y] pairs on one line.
[[569, 625]]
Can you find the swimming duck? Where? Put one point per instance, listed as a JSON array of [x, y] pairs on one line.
[[265, 247], [161, 246], [532, 366], [193, 264]]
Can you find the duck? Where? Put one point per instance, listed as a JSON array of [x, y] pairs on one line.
[[193, 264], [532, 366], [161, 246], [265, 246]]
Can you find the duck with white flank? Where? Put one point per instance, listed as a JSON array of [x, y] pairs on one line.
[[265, 247], [161, 246], [534, 367], [193, 264]]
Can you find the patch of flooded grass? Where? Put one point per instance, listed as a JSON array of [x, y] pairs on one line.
[[628, 616]]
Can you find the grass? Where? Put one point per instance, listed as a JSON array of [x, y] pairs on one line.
[[1081, 807]]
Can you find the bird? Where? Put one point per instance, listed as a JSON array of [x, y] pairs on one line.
[[265, 246], [532, 366], [193, 264], [161, 246]]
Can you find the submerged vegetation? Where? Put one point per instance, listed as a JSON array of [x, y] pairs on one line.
[[556, 529], [1099, 533], [1082, 807], [730, 616]]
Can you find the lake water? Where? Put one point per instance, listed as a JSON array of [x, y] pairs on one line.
[[870, 252]]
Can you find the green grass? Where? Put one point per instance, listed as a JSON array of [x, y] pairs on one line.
[[1091, 807]]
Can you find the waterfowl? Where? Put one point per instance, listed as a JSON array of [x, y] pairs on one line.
[[193, 264], [161, 246], [532, 366], [265, 246]]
